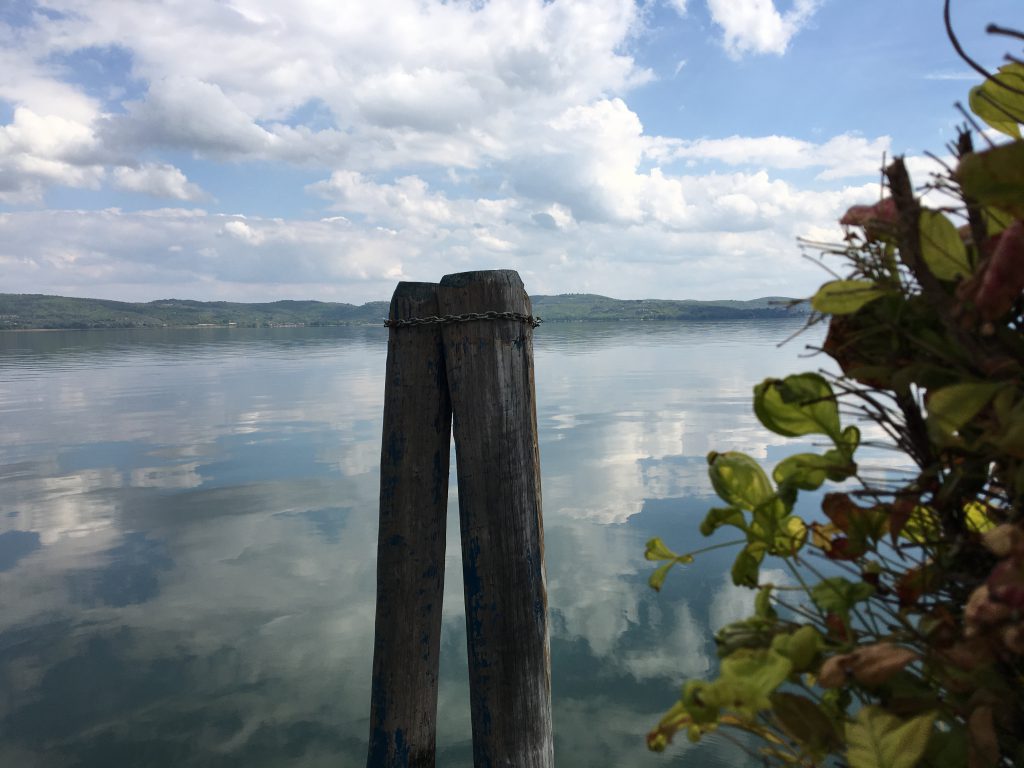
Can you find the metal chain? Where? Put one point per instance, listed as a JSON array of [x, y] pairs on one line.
[[443, 319]]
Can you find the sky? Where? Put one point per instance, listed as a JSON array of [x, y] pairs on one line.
[[254, 150]]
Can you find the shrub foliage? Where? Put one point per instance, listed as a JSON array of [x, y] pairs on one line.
[[900, 640]]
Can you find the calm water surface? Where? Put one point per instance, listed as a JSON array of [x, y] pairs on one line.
[[188, 527]]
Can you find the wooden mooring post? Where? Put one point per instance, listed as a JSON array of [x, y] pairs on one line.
[[411, 537], [486, 379]]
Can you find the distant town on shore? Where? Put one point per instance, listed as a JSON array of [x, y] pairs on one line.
[[22, 311]]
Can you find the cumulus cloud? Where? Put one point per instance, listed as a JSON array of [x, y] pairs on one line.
[[158, 180], [757, 26], [430, 138], [187, 113], [841, 156], [40, 150], [112, 253]]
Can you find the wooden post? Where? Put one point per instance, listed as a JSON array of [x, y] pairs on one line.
[[489, 366], [411, 538]]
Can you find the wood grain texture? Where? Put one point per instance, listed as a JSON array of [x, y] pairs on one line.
[[490, 374], [411, 538]]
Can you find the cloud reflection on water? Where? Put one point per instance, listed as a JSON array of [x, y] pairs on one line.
[[202, 591]]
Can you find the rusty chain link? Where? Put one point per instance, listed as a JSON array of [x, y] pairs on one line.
[[444, 319]]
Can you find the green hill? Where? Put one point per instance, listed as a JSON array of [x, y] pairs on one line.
[[590, 307], [23, 311]]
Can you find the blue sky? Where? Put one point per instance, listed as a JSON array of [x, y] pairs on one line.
[[253, 150]]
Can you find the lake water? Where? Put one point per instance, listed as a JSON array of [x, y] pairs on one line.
[[188, 530]]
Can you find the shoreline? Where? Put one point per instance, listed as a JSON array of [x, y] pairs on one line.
[[562, 321]]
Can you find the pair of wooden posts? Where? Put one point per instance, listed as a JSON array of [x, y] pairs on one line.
[[482, 372]]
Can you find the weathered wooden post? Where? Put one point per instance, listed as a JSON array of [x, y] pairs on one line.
[[491, 383], [468, 353], [411, 538]]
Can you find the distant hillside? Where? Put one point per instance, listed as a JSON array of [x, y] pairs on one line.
[[36, 311], [590, 307], [19, 311]]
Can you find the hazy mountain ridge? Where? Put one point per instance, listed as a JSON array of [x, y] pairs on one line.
[[23, 311]]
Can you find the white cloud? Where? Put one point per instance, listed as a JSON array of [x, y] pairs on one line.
[[39, 150], [841, 156], [679, 6], [186, 113], [756, 26], [447, 136], [113, 253], [398, 77], [158, 180]]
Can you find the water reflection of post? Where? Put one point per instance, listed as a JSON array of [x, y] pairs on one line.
[[484, 368], [410, 538], [491, 383]]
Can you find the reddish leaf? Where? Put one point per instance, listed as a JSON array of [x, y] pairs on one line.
[[915, 583], [837, 627], [877, 220], [899, 513], [844, 549]]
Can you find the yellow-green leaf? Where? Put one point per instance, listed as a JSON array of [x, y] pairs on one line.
[[763, 603], [995, 220], [839, 595], [976, 517], [807, 471], [801, 404], [747, 566], [922, 527], [941, 247], [1000, 107], [877, 739], [656, 550], [657, 579], [844, 297], [719, 516], [760, 670], [950, 408], [806, 722], [982, 105], [995, 177], [739, 480], [800, 648]]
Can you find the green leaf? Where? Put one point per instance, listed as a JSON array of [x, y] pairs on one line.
[[946, 747], [807, 471], [801, 404], [778, 531], [844, 297], [922, 527], [995, 221], [699, 701], [763, 603], [839, 595], [719, 516], [657, 579], [739, 480], [848, 442], [806, 722], [656, 550], [1000, 107], [941, 247], [877, 739], [950, 408], [981, 104], [801, 647], [995, 177], [760, 671], [749, 633], [746, 568]]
